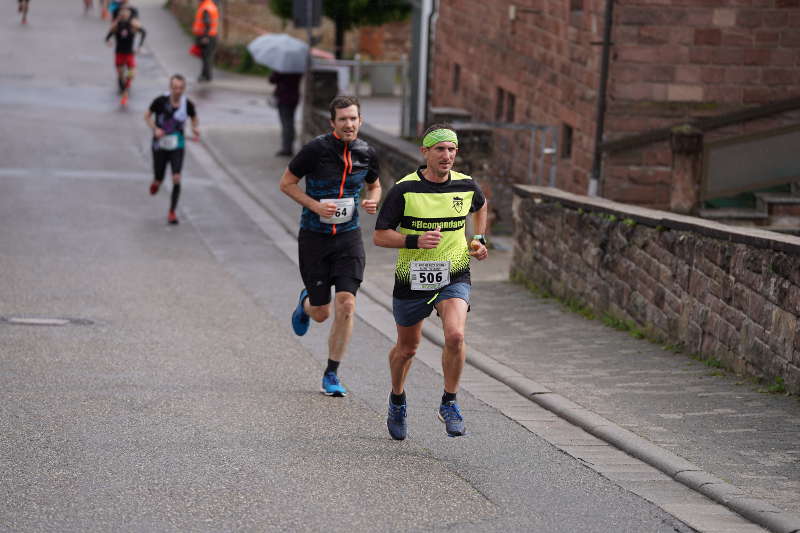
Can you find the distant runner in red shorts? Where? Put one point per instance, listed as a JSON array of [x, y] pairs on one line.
[[124, 30]]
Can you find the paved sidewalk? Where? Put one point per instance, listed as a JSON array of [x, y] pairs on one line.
[[716, 421]]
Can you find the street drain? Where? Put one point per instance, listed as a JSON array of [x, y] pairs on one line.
[[34, 321]]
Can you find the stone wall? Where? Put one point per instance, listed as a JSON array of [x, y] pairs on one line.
[[718, 291]]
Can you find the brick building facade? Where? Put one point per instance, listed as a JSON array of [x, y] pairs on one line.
[[538, 61]]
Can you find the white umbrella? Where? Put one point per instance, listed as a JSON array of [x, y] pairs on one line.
[[280, 52]]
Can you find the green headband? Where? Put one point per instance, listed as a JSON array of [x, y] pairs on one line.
[[437, 136]]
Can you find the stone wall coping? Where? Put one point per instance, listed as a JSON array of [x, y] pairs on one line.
[[474, 126], [655, 218], [450, 111]]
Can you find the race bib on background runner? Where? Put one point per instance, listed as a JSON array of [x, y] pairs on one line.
[[168, 142], [344, 210], [429, 275]]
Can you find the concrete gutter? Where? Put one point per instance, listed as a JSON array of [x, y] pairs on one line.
[[676, 467], [679, 469]]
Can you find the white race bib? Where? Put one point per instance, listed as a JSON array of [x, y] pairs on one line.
[[344, 210], [429, 275], [168, 142]]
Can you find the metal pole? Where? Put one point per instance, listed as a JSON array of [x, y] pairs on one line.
[[404, 122], [554, 155], [597, 164], [531, 155], [357, 75]]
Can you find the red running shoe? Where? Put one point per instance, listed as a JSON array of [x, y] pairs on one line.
[[171, 218], [154, 188]]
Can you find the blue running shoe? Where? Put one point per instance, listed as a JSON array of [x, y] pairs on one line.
[[331, 386], [300, 319], [396, 421], [450, 414]]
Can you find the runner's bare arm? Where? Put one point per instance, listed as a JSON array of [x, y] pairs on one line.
[[480, 219], [142, 33], [372, 197], [111, 32], [289, 186], [148, 118]]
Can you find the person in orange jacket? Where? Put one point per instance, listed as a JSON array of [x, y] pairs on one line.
[[205, 29]]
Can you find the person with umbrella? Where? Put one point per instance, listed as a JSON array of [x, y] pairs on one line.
[[287, 96], [287, 56]]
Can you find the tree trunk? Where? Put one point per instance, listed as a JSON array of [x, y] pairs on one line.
[[339, 44]]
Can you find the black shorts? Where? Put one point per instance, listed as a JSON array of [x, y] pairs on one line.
[[328, 260], [162, 157]]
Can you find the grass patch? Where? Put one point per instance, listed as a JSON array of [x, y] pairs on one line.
[[718, 369], [777, 387]]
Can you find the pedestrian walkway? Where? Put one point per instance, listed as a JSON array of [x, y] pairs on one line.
[[718, 422]]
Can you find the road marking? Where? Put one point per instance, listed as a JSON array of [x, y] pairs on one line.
[[34, 321], [105, 175]]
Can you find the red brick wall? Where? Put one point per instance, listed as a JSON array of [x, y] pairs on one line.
[[691, 59], [389, 42], [672, 60], [543, 59]]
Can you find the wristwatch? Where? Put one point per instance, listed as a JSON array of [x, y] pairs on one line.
[[480, 238]]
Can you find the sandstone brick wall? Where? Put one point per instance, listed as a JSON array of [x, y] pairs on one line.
[[671, 61], [718, 291], [545, 60], [389, 42], [680, 60]]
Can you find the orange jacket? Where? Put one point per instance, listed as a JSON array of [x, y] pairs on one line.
[[199, 28]]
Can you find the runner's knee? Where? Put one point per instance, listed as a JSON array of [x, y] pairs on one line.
[[320, 314], [407, 350], [454, 339], [345, 304], [176, 178]]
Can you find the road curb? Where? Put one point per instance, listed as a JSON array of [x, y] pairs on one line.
[[756, 510]]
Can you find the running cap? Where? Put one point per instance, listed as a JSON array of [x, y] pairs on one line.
[[437, 136]]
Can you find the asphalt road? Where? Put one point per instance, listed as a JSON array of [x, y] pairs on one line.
[[179, 399]]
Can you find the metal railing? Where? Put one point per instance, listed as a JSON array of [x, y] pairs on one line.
[[544, 137], [356, 68]]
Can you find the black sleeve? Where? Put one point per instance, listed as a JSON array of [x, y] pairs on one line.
[[391, 213], [155, 107], [190, 108], [109, 34], [305, 162], [374, 170], [144, 34], [206, 22], [478, 199]]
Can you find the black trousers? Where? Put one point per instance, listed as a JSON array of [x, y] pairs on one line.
[[286, 113], [207, 51]]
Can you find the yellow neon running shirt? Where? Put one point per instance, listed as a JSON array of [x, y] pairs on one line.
[[415, 205]]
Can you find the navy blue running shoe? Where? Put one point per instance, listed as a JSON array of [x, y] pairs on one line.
[[300, 319], [450, 414], [396, 421], [331, 386]]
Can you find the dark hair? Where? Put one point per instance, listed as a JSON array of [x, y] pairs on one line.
[[178, 77], [343, 101], [439, 126]]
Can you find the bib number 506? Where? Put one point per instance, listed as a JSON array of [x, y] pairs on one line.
[[430, 277]]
